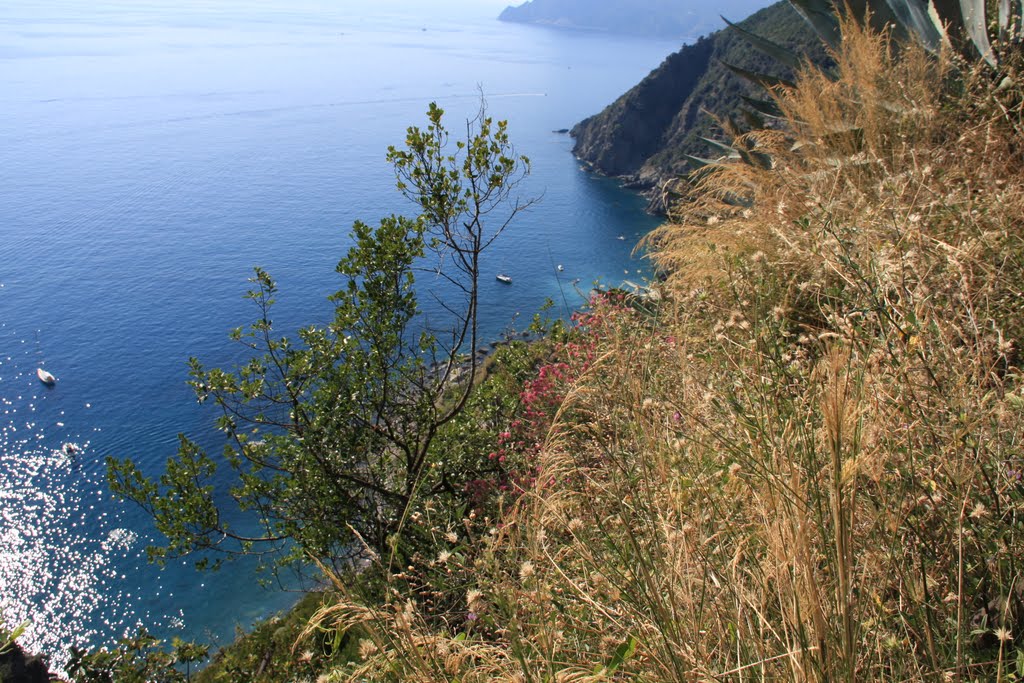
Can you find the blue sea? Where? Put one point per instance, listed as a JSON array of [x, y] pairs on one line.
[[151, 153]]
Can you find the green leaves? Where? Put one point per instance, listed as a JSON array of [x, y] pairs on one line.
[[8, 638], [139, 658], [329, 432], [622, 654], [181, 501]]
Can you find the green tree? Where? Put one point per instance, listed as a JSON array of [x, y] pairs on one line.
[[330, 432], [140, 658]]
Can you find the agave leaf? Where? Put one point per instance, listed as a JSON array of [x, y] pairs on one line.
[[821, 15], [725, 149], [754, 120], [1005, 84], [698, 162], [731, 127], [764, 107], [939, 23], [774, 50], [975, 23], [766, 81], [874, 13], [1004, 20], [947, 14], [750, 148], [757, 159], [914, 17]]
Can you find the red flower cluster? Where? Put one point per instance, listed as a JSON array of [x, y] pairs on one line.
[[518, 447]]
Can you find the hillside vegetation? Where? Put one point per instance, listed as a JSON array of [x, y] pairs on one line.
[[801, 459], [803, 462]]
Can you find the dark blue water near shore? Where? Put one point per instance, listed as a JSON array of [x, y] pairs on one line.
[[150, 154]]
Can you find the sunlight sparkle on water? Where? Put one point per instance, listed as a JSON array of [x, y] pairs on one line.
[[60, 551]]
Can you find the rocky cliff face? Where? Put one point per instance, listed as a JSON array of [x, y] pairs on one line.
[[17, 666], [643, 136]]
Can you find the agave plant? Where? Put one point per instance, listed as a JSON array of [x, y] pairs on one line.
[[964, 26]]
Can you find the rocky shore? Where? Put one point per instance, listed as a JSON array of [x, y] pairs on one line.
[[18, 666]]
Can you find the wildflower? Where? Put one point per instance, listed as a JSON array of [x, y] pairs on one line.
[[979, 511], [472, 596], [443, 557], [1003, 634], [526, 570], [575, 524], [306, 657], [451, 537]]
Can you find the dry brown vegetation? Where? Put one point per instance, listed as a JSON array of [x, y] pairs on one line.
[[805, 463]]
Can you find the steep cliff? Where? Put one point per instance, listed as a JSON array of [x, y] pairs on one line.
[[643, 136], [662, 18]]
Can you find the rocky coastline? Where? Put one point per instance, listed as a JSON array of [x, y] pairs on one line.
[[643, 137], [18, 666]]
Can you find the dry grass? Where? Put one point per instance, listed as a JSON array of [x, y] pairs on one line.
[[806, 465]]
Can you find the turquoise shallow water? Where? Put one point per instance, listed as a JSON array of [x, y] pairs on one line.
[[150, 154]]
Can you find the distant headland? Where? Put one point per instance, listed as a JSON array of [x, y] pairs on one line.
[[654, 18]]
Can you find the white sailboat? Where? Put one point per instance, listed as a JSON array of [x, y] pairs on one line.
[[44, 376]]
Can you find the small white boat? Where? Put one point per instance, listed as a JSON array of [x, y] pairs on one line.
[[622, 237], [501, 277], [560, 268], [45, 377]]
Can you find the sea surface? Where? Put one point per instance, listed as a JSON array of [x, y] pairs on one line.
[[153, 152]]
